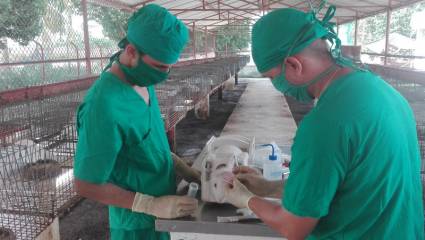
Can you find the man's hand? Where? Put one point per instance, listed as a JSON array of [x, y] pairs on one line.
[[166, 206], [258, 185], [182, 169], [236, 193], [246, 170]]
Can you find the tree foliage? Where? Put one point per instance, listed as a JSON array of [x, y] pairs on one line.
[[113, 21], [373, 28], [236, 37], [21, 20]]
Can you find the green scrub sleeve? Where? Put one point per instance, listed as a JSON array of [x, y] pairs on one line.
[[99, 143], [317, 169]]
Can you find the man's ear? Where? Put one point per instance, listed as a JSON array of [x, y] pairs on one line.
[[293, 70], [132, 54]]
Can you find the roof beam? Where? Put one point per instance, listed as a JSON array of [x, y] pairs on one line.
[[394, 7], [208, 20], [143, 3], [112, 3], [219, 25], [278, 1], [237, 9], [248, 2], [230, 23], [215, 10]]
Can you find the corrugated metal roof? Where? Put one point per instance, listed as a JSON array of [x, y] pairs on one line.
[[213, 13]]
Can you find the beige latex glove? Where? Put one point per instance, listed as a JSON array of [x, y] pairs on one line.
[[164, 207], [237, 194], [185, 171], [255, 182]]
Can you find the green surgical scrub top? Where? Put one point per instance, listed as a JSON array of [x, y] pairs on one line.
[[122, 140], [356, 163]]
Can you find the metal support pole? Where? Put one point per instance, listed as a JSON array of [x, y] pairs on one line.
[[206, 42], [214, 44], [262, 7], [78, 57], [101, 56], [387, 32], [337, 27], [86, 36], [220, 93], [194, 40], [43, 64], [356, 29], [219, 10]]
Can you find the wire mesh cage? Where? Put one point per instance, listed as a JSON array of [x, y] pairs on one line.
[[36, 153], [421, 138], [189, 84]]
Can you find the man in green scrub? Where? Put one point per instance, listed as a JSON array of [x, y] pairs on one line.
[[123, 158], [355, 169]]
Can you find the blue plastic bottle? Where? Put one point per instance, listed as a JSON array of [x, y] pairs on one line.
[[272, 167]]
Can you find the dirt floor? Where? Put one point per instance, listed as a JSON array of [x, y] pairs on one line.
[[193, 133], [88, 220]]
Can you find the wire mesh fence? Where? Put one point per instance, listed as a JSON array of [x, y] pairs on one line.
[[53, 48]]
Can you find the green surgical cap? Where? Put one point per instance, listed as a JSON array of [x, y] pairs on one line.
[[285, 32], [157, 33]]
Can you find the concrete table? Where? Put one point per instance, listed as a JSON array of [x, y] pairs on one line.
[[205, 222], [262, 112]]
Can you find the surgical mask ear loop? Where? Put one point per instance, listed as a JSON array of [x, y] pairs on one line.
[[112, 59]]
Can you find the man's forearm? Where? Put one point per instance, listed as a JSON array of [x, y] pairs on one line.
[[185, 171], [276, 189], [269, 213], [108, 194], [278, 218]]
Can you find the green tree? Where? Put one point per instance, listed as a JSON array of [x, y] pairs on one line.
[[400, 19], [234, 37], [21, 20], [113, 21], [373, 28]]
